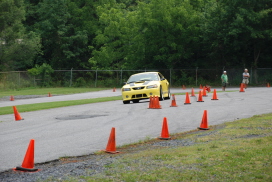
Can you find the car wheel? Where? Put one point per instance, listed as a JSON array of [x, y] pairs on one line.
[[126, 102], [135, 101], [169, 95], [161, 95]]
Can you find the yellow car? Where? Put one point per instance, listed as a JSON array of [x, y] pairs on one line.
[[143, 85]]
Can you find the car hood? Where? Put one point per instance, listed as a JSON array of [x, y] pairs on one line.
[[137, 84]]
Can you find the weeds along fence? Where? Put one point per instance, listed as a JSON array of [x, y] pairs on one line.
[[116, 78]]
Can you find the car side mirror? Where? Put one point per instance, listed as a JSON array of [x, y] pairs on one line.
[[162, 79]]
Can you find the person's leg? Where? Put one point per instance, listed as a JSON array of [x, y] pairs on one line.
[[223, 86], [246, 83]]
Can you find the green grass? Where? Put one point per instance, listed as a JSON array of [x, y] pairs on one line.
[[45, 91], [235, 151], [49, 105], [189, 92]]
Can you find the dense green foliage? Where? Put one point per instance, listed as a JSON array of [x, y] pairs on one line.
[[129, 34]]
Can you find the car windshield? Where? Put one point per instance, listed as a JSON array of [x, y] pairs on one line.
[[143, 77]]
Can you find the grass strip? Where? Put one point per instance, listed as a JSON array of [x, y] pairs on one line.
[[45, 91], [207, 92], [50, 105], [234, 151]]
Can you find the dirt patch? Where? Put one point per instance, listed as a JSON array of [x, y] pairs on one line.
[[73, 117]]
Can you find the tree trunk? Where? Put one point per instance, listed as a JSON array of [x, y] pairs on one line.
[[257, 51]]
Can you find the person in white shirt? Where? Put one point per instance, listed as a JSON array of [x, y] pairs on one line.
[[246, 78]]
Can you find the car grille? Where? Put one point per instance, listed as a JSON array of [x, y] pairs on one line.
[[138, 88], [139, 96]]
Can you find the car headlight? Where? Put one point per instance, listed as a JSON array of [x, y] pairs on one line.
[[152, 86], [125, 89]]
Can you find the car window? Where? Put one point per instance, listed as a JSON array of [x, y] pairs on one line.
[[143, 77], [161, 76]]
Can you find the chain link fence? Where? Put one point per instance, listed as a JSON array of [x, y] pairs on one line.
[[116, 78]]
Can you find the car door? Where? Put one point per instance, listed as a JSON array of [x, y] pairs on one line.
[[164, 83]]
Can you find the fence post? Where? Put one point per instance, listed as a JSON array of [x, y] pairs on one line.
[[196, 76], [19, 79], [251, 75], [170, 78], [121, 77], [71, 78], [95, 78]]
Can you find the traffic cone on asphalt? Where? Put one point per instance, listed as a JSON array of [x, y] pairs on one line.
[[165, 132], [200, 96], [183, 87], [16, 114], [204, 93], [200, 86], [114, 89], [111, 146], [49, 94], [204, 122], [28, 162], [267, 85], [192, 93], [242, 87], [173, 104], [187, 100], [11, 98], [151, 102], [214, 95], [157, 103], [208, 88]]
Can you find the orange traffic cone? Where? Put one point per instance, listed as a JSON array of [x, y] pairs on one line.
[[111, 146], [200, 96], [204, 122], [204, 94], [165, 132], [28, 163], [114, 89], [151, 102], [11, 98], [242, 87], [214, 95], [173, 104], [49, 94], [208, 88], [16, 114], [268, 85], [157, 103], [187, 100], [200, 86], [183, 87], [192, 93]]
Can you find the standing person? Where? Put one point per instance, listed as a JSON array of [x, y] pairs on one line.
[[246, 78], [224, 79]]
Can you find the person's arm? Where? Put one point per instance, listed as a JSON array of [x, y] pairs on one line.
[[246, 75]]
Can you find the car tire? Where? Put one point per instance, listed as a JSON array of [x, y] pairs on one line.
[[169, 95], [161, 95], [126, 102], [135, 101]]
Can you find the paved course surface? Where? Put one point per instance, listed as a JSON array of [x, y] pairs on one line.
[[84, 129]]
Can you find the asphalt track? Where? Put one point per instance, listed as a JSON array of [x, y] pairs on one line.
[[84, 129]]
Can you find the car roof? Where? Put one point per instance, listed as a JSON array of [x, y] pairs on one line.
[[145, 72]]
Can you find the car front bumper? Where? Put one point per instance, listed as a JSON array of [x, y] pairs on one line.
[[140, 94]]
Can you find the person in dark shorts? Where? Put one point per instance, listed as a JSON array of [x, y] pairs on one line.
[[224, 79], [245, 78]]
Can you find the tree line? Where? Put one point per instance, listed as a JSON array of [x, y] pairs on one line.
[[135, 34]]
